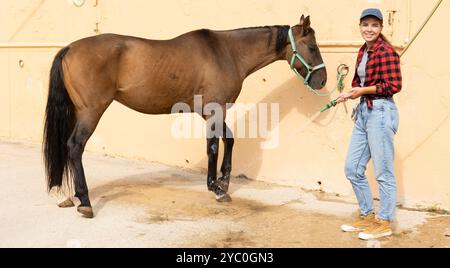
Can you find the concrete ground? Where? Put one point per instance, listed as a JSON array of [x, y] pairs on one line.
[[138, 204]]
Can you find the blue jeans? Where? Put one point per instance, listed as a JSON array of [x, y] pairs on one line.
[[373, 137]]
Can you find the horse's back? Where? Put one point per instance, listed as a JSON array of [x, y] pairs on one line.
[[148, 75]]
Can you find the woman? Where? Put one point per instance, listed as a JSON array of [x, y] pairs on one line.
[[377, 79]]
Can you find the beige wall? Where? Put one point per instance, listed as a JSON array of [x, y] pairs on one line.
[[307, 153]]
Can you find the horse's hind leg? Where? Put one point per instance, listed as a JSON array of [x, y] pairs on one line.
[[85, 125], [228, 142], [66, 203]]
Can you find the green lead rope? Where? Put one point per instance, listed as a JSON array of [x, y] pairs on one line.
[[342, 72], [329, 105]]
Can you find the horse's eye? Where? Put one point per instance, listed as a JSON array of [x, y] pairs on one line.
[[312, 48]]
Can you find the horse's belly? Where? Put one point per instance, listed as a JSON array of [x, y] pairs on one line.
[[149, 101]]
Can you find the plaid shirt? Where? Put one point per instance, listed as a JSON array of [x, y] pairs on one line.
[[382, 71]]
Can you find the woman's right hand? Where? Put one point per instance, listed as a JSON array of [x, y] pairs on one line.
[[343, 97], [353, 93]]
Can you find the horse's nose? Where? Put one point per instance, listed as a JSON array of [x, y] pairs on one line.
[[323, 83]]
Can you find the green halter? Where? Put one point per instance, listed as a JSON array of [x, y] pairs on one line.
[[296, 55]]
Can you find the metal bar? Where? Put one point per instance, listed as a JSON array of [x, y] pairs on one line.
[[422, 26], [324, 44]]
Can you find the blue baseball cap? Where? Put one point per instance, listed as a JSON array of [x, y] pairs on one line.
[[372, 12]]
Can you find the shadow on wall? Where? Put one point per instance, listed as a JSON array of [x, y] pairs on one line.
[[292, 95]]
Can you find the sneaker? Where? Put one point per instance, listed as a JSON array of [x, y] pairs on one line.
[[363, 223], [380, 228]]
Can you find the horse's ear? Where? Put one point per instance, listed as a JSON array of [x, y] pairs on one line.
[[307, 22], [302, 20]]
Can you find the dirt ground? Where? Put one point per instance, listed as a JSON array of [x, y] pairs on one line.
[[138, 204]]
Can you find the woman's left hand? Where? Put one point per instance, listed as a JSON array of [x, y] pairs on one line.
[[353, 93]]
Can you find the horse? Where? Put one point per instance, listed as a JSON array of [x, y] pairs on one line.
[[150, 76]]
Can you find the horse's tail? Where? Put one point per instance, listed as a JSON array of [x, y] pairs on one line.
[[59, 124]]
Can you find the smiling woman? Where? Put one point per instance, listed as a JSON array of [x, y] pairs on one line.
[[370, 30], [377, 79]]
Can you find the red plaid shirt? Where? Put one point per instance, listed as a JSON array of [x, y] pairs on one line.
[[382, 71]]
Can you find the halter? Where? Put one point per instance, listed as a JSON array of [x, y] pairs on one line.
[[296, 55]]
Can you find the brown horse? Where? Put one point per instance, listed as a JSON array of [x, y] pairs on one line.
[[151, 76]]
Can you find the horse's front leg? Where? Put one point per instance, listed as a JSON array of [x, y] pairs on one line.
[[212, 143], [228, 142]]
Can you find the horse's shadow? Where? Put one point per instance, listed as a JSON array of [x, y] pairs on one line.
[[140, 187]]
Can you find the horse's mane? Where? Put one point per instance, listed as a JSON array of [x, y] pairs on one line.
[[282, 34]]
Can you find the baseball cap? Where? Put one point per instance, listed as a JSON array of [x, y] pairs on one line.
[[372, 12]]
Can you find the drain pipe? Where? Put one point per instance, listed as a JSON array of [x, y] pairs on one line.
[[422, 27]]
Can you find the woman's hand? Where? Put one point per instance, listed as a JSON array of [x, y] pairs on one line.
[[353, 93]]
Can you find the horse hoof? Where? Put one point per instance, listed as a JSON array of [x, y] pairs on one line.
[[86, 212], [68, 203], [223, 184], [223, 198]]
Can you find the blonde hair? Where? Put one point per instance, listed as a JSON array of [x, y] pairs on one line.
[[386, 40]]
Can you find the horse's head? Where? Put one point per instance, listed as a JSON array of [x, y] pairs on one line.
[[304, 56]]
